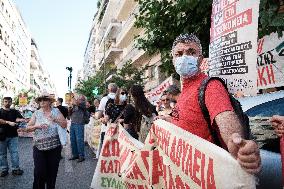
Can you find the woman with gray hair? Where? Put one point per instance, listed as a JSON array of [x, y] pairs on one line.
[[47, 147]]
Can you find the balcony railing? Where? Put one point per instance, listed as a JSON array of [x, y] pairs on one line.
[[128, 23]]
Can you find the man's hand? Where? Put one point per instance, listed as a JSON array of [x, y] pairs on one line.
[[11, 123], [277, 123], [246, 152]]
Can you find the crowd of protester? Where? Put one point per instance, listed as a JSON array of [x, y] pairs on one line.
[[130, 108]]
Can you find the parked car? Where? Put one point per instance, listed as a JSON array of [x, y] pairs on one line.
[[259, 108]]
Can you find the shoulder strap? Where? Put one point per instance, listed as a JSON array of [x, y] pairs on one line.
[[202, 104]]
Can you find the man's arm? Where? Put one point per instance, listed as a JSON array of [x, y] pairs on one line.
[[228, 123]]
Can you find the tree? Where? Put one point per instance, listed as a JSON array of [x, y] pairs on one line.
[[86, 87], [164, 20], [129, 75]]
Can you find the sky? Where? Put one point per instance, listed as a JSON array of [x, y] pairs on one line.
[[61, 30]]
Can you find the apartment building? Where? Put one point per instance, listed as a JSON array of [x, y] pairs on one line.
[[15, 49], [39, 77], [111, 42], [20, 63]]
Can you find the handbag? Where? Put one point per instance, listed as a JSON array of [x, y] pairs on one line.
[[62, 132]]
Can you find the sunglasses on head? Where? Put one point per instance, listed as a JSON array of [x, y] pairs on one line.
[[123, 93]]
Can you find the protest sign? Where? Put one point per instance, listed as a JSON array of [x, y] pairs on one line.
[[170, 158], [270, 61], [233, 44], [156, 93], [92, 133]]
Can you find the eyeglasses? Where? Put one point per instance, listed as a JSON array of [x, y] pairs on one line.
[[123, 93]]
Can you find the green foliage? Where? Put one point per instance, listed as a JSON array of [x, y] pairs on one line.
[[86, 87], [129, 75], [270, 20], [125, 77], [164, 20]]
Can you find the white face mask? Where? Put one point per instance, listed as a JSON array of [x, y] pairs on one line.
[[186, 66], [123, 98]]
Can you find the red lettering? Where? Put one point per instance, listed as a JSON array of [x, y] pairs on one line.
[[185, 149], [203, 186], [103, 166], [171, 181], [110, 167], [106, 151], [157, 167], [124, 155], [116, 166], [173, 151], [179, 183], [144, 156], [210, 175], [188, 165], [260, 77], [137, 172], [196, 167], [115, 148], [179, 151], [270, 74]]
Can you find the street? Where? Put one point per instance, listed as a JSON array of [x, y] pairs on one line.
[[71, 175]]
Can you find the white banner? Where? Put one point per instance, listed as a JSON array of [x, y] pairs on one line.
[[171, 158], [270, 61], [233, 46], [157, 92]]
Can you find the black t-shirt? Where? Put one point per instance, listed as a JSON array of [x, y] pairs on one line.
[[91, 109], [10, 115], [63, 110]]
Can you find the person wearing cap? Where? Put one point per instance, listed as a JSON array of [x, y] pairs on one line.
[[9, 138], [47, 147]]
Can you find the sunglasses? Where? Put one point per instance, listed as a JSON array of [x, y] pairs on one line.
[[123, 93]]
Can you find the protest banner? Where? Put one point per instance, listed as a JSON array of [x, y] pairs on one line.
[[233, 44], [171, 158], [156, 93], [93, 131], [270, 67]]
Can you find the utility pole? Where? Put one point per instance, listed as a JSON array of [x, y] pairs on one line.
[[104, 68], [70, 69]]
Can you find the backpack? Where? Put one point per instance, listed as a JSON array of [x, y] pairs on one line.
[[113, 110], [243, 118]]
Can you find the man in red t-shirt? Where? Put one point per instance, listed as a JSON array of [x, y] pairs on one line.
[[187, 114]]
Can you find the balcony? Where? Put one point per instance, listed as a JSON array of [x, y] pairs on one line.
[[112, 53], [128, 31], [111, 33], [134, 54], [124, 8]]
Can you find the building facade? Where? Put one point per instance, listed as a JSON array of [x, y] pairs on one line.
[[20, 64], [39, 77], [111, 42], [15, 49]]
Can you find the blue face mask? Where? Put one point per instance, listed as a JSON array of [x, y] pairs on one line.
[[186, 66]]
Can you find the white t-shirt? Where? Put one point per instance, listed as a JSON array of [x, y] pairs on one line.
[[104, 101], [103, 105]]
